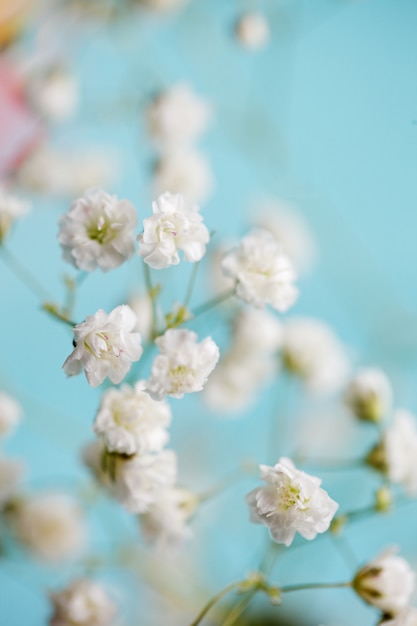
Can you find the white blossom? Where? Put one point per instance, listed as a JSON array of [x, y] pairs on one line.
[[312, 351], [130, 421], [407, 617], [177, 117], [252, 30], [134, 481], [98, 231], [369, 394], [11, 209], [11, 472], [165, 522], [105, 346], [50, 525], [10, 413], [387, 582], [172, 227], [186, 172], [183, 364], [292, 501], [54, 93], [82, 603], [263, 273]]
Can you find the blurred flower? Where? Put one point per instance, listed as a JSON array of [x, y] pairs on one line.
[[257, 329], [408, 617], [292, 501], [141, 305], [98, 231], [163, 5], [183, 365], [105, 346], [395, 455], [49, 525], [82, 603], [10, 413], [186, 172], [252, 30], [165, 522], [54, 93], [129, 421], [11, 472], [172, 227], [263, 273], [369, 394], [387, 582], [312, 352], [177, 117], [11, 209]]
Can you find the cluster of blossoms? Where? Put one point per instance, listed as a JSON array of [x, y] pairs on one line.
[[84, 603]]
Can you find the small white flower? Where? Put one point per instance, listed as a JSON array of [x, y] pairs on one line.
[[262, 272], [186, 172], [98, 231], [10, 413], [11, 209], [105, 346], [396, 453], [165, 522], [49, 525], [313, 352], [183, 365], [292, 501], [252, 30], [387, 582], [54, 93], [11, 472], [172, 227], [129, 421], [177, 117], [369, 394], [82, 603], [408, 617]]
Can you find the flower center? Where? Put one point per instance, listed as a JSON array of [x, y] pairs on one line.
[[101, 231]]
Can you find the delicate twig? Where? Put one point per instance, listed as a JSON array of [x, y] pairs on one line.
[[306, 586], [52, 310], [210, 304], [239, 608], [152, 294], [214, 600], [23, 274], [191, 284]]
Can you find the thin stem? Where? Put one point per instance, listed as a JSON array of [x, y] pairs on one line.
[[62, 317], [23, 274], [210, 304], [314, 586], [214, 600], [191, 284], [152, 294], [239, 608]]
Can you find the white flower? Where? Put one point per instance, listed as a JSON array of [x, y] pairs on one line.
[[387, 582], [172, 227], [257, 330], [262, 272], [408, 617], [165, 522], [252, 30], [82, 603], [396, 453], [55, 93], [177, 117], [105, 346], [11, 208], [10, 413], [11, 472], [183, 365], [369, 394], [49, 525], [134, 481], [141, 305], [129, 421], [292, 501], [98, 231], [186, 172], [313, 352]]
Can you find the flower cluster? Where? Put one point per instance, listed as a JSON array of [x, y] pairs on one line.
[[84, 603]]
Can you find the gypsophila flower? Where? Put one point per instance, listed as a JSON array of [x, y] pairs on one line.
[[183, 365], [172, 227], [11, 209], [10, 413], [165, 522], [130, 421], [292, 501], [252, 30], [11, 472], [54, 93], [262, 272], [408, 617], [105, 346], [186, 172], [50, 525], [395, 455], [98, 231], [177, 117], [312, 352], [387, 582], [369, 394], [82, 603]]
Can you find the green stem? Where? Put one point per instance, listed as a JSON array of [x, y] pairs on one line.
[[302, 587], [54, 312], [239, 608], [210, 304], [214, 600], [152, 294], [23, 274], [191, 284]]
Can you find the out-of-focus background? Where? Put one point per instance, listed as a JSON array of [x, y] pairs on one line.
[[318, 115]]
